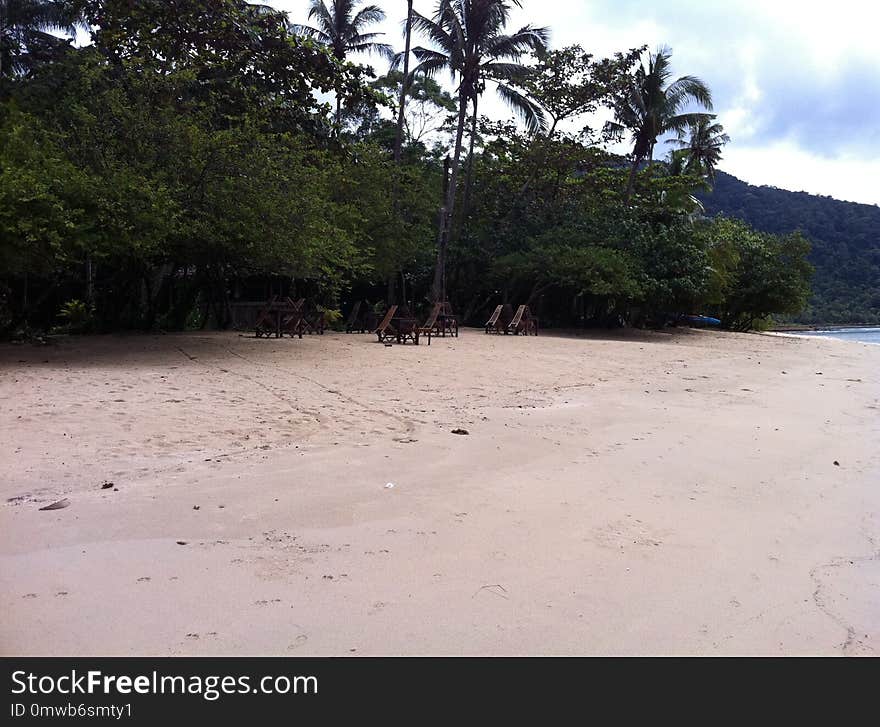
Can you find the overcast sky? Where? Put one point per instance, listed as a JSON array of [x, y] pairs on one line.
[[796, 83]]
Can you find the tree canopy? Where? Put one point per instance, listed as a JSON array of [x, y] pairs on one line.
[[190, 155]]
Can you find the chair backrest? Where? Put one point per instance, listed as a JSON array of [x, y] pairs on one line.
[[517, 319], [296, 305], [432, 319], [496, 314], [386, 321]]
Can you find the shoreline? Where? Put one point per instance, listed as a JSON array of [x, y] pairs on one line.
[[632, 492], [836, 327]]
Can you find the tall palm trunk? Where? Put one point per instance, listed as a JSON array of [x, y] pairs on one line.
[[631, 184], [470, 167], [398, 142], [438, 289]]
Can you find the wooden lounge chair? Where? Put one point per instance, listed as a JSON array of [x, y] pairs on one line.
[[492, 323], [267, 324], [385, 331], [518, 325], [314, 320], [293, 318], [500, 323], [430, 326], [523, 322], [448, 321], [408, 329]]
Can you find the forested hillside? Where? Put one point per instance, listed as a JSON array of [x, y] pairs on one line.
[[845, 239]]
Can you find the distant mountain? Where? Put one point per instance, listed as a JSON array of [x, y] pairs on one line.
[[845, 238]]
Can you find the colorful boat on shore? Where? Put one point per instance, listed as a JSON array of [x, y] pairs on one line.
[[700, 320]]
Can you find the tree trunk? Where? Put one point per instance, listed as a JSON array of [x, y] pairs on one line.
[[391, 294], [438, 289], [470, 168], [398, 142], [632, 180], [90, 281]]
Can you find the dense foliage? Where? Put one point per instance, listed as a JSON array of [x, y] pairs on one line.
[[203, 151], [845, 239]]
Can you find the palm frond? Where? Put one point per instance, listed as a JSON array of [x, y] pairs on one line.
[[515, 45], [319, 12], [381, 49], [433, 31], [686, 88], [529, 112], [307, 31], [367, 16]]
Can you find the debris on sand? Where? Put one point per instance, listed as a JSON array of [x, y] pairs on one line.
[[836, 463], [182, 542], [460, 431], [107, 485], [59, 505]]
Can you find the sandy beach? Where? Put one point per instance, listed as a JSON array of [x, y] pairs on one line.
[[624, 493]]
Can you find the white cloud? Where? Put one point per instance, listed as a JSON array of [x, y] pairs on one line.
[[787, 166]]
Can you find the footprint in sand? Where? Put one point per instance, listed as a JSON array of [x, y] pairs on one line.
[[298, 642]]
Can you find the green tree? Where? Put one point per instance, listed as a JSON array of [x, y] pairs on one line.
[[569, 83], [701, 144], [342, 27], [651, 106], [27, 30], [470, 43], [755, 275], [426, 109]]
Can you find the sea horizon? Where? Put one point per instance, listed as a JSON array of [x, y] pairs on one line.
[[861, 334]]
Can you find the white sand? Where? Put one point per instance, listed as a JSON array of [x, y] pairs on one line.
[[640, 493]]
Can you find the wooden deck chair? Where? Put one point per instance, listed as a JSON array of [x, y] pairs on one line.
[[314, 319], [449, 321], [408, 329], [385, 331], [292, 322], [354, 318], [517, 325], [431, 324], [492, 324], [266, 324]]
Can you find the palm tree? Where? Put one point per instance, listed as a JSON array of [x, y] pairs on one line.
[[28, 25], [652, 106], [470, 43], [404, 86], [342, 28], [702, 147]]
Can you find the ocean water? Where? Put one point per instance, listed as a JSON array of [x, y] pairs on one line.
[[864, 335]]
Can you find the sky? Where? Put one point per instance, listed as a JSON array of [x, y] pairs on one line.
[[796, 83]]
